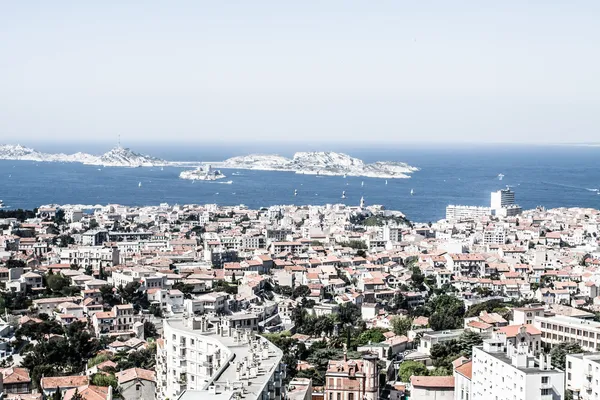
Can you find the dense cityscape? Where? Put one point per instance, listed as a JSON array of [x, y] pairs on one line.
[[327, 302]]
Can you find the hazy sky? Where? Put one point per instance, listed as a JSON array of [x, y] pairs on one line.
[[403, 71]]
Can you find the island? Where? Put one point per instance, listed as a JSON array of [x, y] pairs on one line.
[[202, 174], [313, 163], [320, 163], [116, 157]]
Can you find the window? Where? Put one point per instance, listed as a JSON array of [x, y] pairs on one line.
[[545, 379], [350, 396], [546, 392], [339, 396], [570, 366], [138, 387]]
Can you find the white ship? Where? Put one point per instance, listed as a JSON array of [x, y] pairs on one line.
[[412, 192], [344, 194]]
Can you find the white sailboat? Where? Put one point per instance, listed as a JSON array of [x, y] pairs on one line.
[[295, 192], [412, 192], [386, 181], [344, 194], [139, 184], [362, 183], [500, 176]]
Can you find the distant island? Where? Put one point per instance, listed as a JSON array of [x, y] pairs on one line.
[[313, 163], [320, 163], [117, 157]]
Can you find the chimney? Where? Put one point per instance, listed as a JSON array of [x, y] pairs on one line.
[[542, 362]]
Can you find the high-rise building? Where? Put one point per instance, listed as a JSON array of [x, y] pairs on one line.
[[208, 358], [512, 373], [502, 198]]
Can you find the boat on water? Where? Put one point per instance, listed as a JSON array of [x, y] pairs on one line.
[[344, 194], [500, 176], [295, 192], [386, 181], [345, 175], [412, 192], [362, 183], [226, 182], [139, 184], [1, 204]]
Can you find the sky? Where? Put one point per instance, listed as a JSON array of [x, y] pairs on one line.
[[256, 71]]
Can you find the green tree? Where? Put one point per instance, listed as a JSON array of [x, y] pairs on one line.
[[373, 335], [401, 325], [56, 282], [558, 354], [101, 379], [301, 291], [108, 295], [469, 339], [150, 330], [410, 368], [77, 395]]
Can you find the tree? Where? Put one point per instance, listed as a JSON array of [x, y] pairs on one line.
[[11, 263], [133, 294], [410, 368], [108, 295], [559, 353], [373, 335], [301, 291], [56, 282], [101, 379], [77, 395], [57, 395], [401, 325], [94, 224], [59, 217], [150, 330], [469, 339]]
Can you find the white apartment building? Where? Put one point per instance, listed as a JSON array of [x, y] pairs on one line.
[[583, 371], [92, 256], [509, 373], [559, 328], [147, 278], [461, 213], [496, 235], [202, 358], [502, 198]]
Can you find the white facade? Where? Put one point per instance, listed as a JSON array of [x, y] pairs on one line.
[[460, 213], [502, 198], [92, 256], [200, 360], [583, 371], [559, 329], [509, 373]]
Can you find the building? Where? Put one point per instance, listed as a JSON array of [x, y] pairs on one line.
[[463, 373], [559, 328], [512, 373], [90, 256], [582, 375], [502, 198], [201, 357], [431, 338], [15, 381], [352, 379], [432, 387], [137, 384], [461, 213]]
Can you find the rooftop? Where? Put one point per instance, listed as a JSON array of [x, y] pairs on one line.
[[240, 350]]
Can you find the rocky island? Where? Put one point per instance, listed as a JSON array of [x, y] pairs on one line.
[[202, 174], [320, 163], [314, 163], [117, 157]]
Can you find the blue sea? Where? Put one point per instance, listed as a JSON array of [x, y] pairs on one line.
[[550, 176]]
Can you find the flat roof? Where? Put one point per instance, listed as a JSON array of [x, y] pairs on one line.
[[240, 351]]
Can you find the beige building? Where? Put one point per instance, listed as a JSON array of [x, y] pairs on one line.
[[352, 379]]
